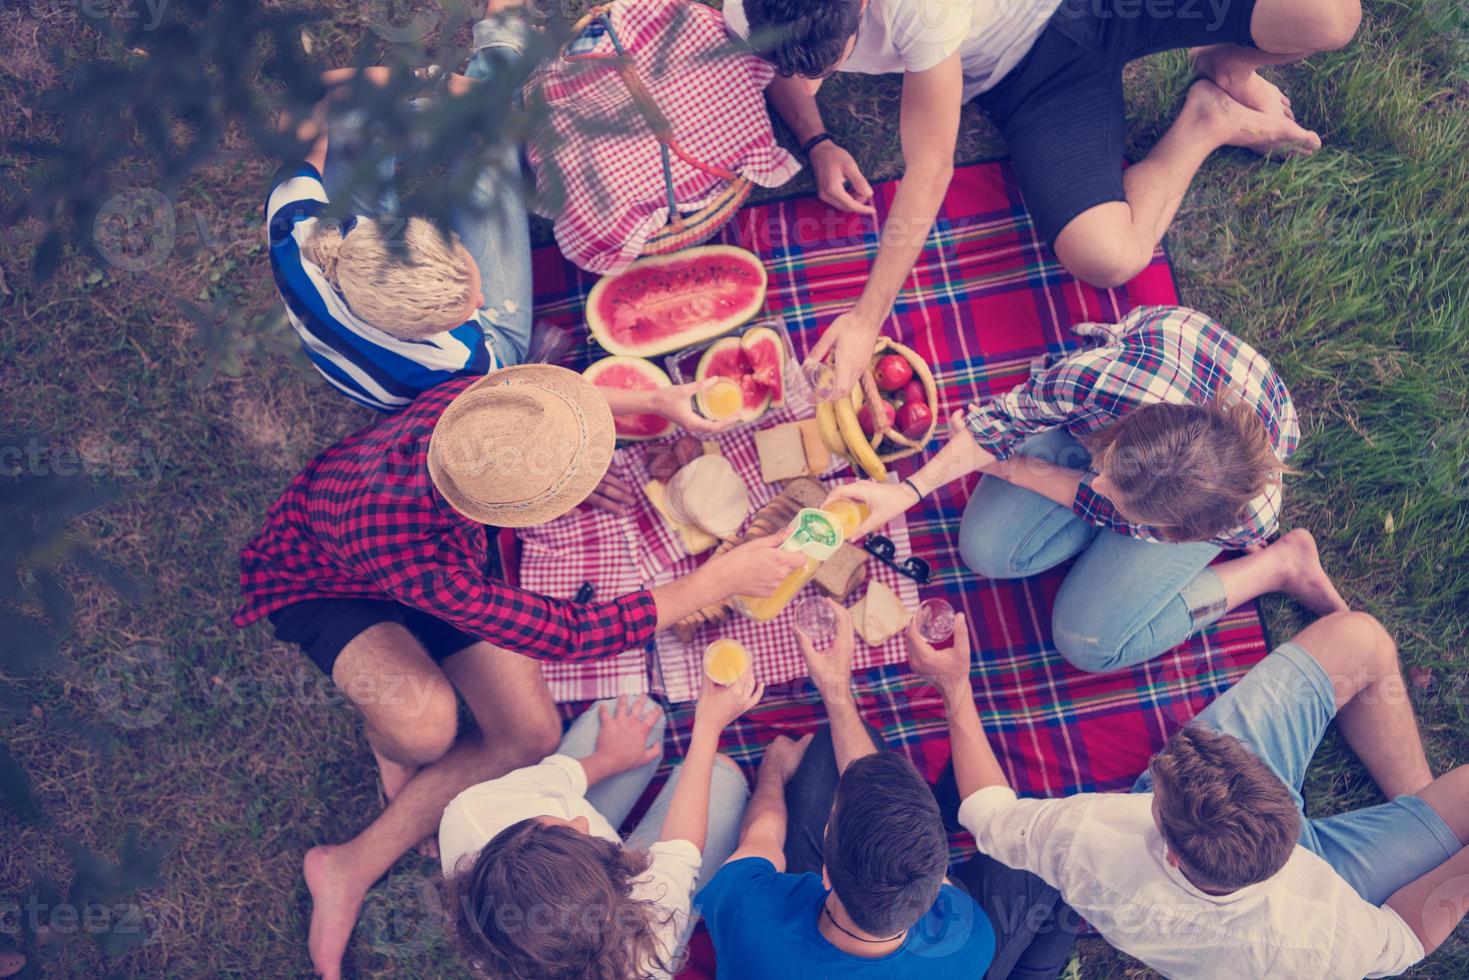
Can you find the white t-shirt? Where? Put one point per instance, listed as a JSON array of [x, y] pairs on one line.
[[557, 788], [991, 36], [1105, 855]]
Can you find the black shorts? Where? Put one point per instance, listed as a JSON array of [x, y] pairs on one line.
[[1061, 108], [323, 627]]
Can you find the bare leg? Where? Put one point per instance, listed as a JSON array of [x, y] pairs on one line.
[[1374, 711], [1291, 565], [1434, 905], [1108, 244], [1449, 797], [518, 726], [1283, 31]]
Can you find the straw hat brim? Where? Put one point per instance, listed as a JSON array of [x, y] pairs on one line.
[[591, 455]]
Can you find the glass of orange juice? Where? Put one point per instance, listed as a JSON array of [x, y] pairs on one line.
[[726, 660], [721, 400]]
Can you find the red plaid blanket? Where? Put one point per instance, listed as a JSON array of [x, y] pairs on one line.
[[986, 298]]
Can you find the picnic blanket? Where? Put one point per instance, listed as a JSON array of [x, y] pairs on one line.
[[986, 298]]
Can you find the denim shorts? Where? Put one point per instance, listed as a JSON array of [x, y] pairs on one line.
[[1281, 710]]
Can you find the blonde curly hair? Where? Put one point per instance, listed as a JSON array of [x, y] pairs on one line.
[[421, 290]]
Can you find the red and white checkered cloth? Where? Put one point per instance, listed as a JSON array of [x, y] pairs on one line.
[[618, 555], [599, 153]]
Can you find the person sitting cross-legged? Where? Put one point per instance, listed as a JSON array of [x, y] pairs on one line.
[[541, 885], [1142, 456], [376, 562], [1210, 868], [840, 871]]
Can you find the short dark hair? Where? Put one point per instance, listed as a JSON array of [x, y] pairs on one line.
[[886, 850], [802, 37], [1227, 816]]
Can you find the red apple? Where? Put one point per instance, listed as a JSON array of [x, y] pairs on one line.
[[864, 416], [913, 392], [914, 418], [892, 372]]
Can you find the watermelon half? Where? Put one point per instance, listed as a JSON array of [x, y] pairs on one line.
[[665, 302], [727, 358], [632, 374], [763, 348]]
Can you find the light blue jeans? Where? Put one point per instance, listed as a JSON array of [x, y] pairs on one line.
[[1280, 711], [492, 225], [615, 797], [1124, 601]]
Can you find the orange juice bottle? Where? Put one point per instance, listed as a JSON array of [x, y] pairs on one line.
[[726, 660], [817, 534]]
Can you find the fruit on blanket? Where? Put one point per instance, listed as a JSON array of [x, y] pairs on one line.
[[914, 419], [857, 445], [632, 374], [867, 421], [826, 419], [727, 358], [665, 302], [893, 372], [763, 347], [912, 392], [725, 661]]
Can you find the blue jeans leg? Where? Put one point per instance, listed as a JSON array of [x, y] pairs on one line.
[[1010, 532], [493, 225], [615, 796], [1126, 600]]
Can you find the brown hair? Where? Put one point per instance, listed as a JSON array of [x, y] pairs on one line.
[[547, 902], [415, 294], [1223, 812], [1188, 470]]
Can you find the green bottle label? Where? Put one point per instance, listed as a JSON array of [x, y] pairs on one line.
[[816, 533]]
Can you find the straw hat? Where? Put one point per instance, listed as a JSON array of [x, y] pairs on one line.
[[521, 446]]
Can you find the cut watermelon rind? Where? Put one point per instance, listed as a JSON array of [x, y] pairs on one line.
[[623, 424], [604, 332]]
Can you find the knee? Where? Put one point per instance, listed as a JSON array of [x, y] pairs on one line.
[[1337, 25], [1105, 265], [430, 732], [1084, 646], [988, 555], [1379, 652], [536, 738]]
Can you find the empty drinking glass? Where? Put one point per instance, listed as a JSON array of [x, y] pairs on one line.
[[818, 375], [935, 620], [814, 617]]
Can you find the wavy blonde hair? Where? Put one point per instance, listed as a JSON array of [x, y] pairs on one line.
[[412, 289]]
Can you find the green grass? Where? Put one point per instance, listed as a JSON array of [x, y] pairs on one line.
[[1348, 269]]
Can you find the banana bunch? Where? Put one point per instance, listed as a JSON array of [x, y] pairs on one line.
[[841, 428]]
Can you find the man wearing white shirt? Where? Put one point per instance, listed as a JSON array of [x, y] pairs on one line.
[[1049, 73], [1210, 869]]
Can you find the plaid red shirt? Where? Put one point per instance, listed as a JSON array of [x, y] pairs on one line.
[[1156, 354], [363, 520]]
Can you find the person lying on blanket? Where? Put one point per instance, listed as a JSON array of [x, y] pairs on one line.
[[1142, 456], [1049, 74], [376, 561], [840, 871], [1210, 868], [541, 885], [387, 307]]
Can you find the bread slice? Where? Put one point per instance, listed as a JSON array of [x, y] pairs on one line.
[[818, 457], [695, 539], [883, 614], [805, 491], [840, 574], [782, 453]]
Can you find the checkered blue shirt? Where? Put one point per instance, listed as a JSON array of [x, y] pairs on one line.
[[1155, 354]]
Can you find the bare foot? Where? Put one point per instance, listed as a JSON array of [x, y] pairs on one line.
[[335, 903], [1302, 577], [1270, 134]]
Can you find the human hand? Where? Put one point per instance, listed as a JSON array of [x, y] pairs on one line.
[[849, 339], [885, 501], [839, 181], [782, 757], [720, 704], [831, 669], [611, 495], [676, 404], [622, 739], [755, 568], [948, 668]]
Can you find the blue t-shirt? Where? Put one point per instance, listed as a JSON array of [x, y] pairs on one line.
[[364, 363], [765, 924]]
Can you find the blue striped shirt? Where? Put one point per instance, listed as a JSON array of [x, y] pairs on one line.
[[367, 365]]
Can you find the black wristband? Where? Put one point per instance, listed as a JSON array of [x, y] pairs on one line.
[[814, 142], [912, 486]]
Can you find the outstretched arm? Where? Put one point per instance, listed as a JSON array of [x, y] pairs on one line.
[[688, 813], [763, 833], [831, 672], [975, 765]]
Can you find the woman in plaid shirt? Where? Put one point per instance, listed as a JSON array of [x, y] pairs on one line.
[[1170, 432]]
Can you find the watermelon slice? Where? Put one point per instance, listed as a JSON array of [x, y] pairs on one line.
[[665, 302], [765, 351], [632, 374], [727, 358]]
